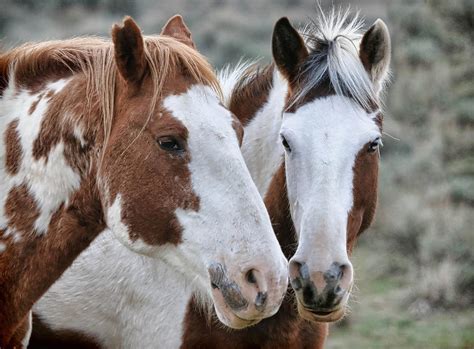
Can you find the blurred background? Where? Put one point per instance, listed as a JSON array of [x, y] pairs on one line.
[[415, 266]]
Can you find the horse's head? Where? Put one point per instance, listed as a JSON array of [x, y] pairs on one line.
[[331, 131], [173, 180]]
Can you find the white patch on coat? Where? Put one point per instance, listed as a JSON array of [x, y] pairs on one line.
[[3, 247], [261, 146], [119, 298], [51, 181], [325, 137], [79, 135]]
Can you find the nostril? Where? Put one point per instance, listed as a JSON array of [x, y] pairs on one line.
[[296, 284], [260, 300], [250, 277], [335, 272], [342, 270]]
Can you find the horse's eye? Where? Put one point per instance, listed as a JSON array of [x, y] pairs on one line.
[[285, 144], [170, 144], [374, 145]]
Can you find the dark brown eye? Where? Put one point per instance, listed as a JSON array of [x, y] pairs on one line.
[[285, 144], [374, 145], [170, 144]]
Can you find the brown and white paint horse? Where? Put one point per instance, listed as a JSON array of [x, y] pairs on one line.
[[322, 102], [130, 136]]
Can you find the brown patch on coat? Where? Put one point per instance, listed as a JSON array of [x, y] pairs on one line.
[[30, 267], [251, 93], [44, 337], [52, 126], [35, 104], [55, 128], [16, 342], [13, 149], [165, 178], [42, 95], [365, 183], [35, 77], [21, 220]]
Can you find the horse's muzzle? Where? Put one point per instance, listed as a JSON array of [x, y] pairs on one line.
[[322, 296], [246, 298]]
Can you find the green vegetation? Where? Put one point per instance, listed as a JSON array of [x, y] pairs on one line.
[[425, 221], [381, 318]]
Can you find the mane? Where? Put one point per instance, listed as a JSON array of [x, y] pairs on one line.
[[333, 43], [94, 57], [244, 80]]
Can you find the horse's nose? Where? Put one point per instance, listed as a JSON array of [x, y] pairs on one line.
[[256, 285], [252, 293], [320, 291]]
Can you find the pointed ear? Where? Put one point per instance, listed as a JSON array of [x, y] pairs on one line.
[[375, 51], [288, 48], [129, 50], [176, 28]]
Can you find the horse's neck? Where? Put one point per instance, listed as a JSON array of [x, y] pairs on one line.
[[128, 296], [261, 146], [263, 152], [47, 195]]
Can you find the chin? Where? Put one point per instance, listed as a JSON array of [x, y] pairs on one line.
[[321, 316], [233, 321]]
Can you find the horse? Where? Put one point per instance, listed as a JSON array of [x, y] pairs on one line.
[[312, 124], [128, 135]]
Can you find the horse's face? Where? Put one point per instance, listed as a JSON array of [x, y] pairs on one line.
[[176, 187], [331, 161]]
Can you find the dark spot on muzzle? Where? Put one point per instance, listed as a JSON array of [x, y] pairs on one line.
[[260, 300], [229, 289], [310, 296]]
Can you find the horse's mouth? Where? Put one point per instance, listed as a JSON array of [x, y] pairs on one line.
[[321, 315], [322, 312]]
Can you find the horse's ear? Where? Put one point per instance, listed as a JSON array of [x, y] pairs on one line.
[[375, 51], [289, 50], [176, 28], [129, 51]]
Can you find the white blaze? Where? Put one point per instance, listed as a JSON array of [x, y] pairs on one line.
[[325, 137]]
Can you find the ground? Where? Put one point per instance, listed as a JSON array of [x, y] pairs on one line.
[[380, 317]]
